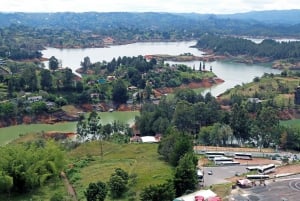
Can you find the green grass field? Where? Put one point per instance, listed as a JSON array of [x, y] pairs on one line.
[[8, 134], [295, 123], [141, 160]]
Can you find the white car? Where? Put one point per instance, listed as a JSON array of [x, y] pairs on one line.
[[210, 172]]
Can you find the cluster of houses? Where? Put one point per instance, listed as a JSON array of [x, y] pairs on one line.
[[33, 99]]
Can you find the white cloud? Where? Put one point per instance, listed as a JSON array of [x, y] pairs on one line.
[[199, 6]]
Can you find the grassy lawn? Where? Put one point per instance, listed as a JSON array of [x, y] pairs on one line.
[[295, 123], [222, 190], [8, 134], [141, 160]]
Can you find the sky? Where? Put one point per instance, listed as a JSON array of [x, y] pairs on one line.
[[172, 6]]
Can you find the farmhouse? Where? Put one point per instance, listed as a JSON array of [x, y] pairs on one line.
[[33, 99]]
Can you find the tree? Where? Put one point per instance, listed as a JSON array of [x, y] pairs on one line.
[[120, 172], [117, 186], [174, 146], [6, 183], [46, 79], [39, 107], [68, 79], [31, 165], [96, 191], [119, 93], [239, 122], [53, 63], [118, 183], [185, 177], [183, 116], [86, 63], [30, 79], [268, 121], [160, 192]]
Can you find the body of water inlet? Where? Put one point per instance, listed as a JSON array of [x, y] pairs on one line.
[[232, 73]]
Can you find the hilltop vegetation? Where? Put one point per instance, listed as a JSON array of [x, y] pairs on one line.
[[25, 34]]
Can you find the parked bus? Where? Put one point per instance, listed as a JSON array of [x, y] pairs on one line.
[[211, 155], [266, 169], [258, 176], [252, 168], [245, 156], [229, 163], [219, 160]]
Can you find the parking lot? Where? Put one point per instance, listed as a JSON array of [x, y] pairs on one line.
[[285, 189], [221, 173]]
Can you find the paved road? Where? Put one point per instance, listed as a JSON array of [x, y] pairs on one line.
[[284, 189]]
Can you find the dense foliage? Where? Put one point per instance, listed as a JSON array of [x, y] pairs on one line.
[[96, 191], [25, 167], [238, 46], [160, 192]]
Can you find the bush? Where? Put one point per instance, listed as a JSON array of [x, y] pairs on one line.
[[57, 197]]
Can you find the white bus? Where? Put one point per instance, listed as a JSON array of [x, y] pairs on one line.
[[229, 163], [211, 155], [245, 156], [252, 168], [219, 160], [258, 176], [266, 169]]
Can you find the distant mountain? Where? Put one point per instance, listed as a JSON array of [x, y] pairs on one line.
[[264, 23], [283, 17]]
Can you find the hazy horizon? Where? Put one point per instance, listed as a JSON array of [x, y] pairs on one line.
[[167, 6]]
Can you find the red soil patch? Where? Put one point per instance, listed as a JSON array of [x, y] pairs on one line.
[[58, 135]]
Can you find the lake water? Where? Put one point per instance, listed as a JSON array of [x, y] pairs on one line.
[[233, 73]]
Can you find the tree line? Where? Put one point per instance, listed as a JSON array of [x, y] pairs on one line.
[[246, 123], [227, 45]]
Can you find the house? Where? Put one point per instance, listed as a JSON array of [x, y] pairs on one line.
[[131, 88], [50, 104], [136, 138], [111, 78], [94, 95], [254, 100], [33, 99], [108, 41]]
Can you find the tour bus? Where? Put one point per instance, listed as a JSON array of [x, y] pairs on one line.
[[219, 160], [229, 163], [266, 169], [245, 156], [258, 176], [211, 155], [200, 175]]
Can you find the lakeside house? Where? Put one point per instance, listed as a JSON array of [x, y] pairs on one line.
[[33, 99], [254, 100], [108, 41]]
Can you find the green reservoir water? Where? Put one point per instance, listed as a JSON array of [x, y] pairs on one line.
[[8, 134]]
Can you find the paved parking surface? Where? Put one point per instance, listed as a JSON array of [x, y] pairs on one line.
[[285, 189], [220, 173]]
